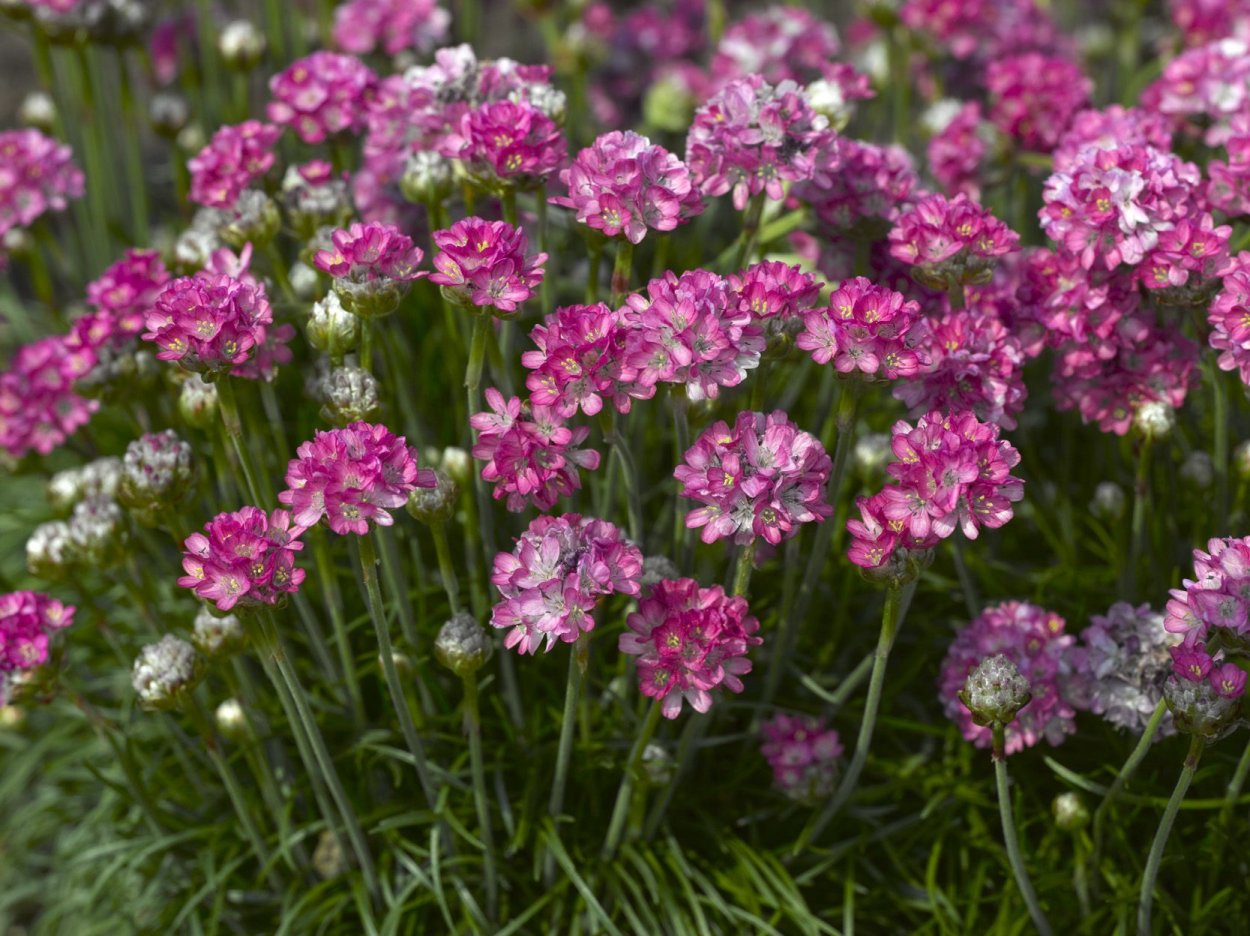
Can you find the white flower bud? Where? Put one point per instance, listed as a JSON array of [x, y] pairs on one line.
[[463, 645], [217, 636], [995, 691], [1109, 501], [241, 44], [1154, 419], [38, 110], [165, 671]]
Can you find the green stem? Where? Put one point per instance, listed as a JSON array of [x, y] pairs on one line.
[[342, 640], [1219, 396], [508, 201], [742, 571], [595, 259], [472, 385], [446, 568], [750, 231], [681, 443], [1232, 794], [551, 273], [136, 178], [210, 61], [1160, 842], [620, 447], [1141, 500], [276, 16], [278, 264], [622, 271], [232, 426], [955, 294], [578, 659], [473, 725], [1010, 839], [624, 795], [971, 600]]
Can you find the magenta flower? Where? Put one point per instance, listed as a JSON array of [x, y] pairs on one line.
[[1216, 601], [37, 175], [1229, 187], [372, 265], [234, 158], [559, 570], [1033, 97], [530, 454], [751, 136], [209, 323], [393, 26], [577, 361], [244, 558], [859, 187], [761, 479], [958, 151], [352, 477], [321, 95], [688, 330], [1190, 255], [776, 294], [1033, 639], [864, 331], [1229, 317], [483, 263], [803, 753], [1109, 128], [27, 622], [779, 43], [128, 289], [38, 406], [1202, 89], [623, 184], [950, 241], [507, 143], [689, 641]]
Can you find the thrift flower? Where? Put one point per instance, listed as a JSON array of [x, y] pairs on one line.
[[483, 263], [37, 175], [235, 158], [371, 265], [321, 95], [803, 753], [393, 26], [864, 331], [950, 242], [507, 143], [244, 558]]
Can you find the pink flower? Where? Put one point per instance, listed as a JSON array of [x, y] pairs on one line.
[[507, 143], [984, 30], [352, 476], [126, 290], [803, 753], [763, 478], [775, 294], [530, 454], [483, 263], [321, 95], [1202, 21], [779, 43], [371, 265], [559, 570], [1109, 128], [1203, 88], [1228, 680], [209, 323], [234, 158], [689, 641], [1216, 601], [1188, 256], [1033, 97], [37, 175], [623, 184], [859, 187], [394, 26], [1033, 639], [950, 242], [752, 136], [958, 151], [244, 558], [27, 622], [1229, 187], [1229, 317], [865, 330], [38, 406], [578, 359]]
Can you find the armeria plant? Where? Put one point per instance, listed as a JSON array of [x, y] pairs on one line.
[[616, 468]]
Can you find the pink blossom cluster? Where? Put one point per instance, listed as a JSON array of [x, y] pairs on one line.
[[951, 472], [1229, 187], [483, 263], [577, 361], [321, 95], [559, 570], [762, 478], [1229, 318], [1192, 663], [234, 158], [776, 294], [1216, 601], [859, 187], [352, 476], [1203, 21], [958, 151], [37, 175], [803, 752], [866, 331], [1033, 97], [38, 406], [244, 558], [1034, 640], [950, 241], [1110, 128], [529, 451], [974, 363], [27, 622], [779, 43], [1202, 89], [624, 184], [689, 641], [393, 26], [507, 143], [983, 30], [753, 136], [371, 264], [687, 330]]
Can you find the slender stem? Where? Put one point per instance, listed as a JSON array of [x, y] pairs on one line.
[[446, 568], [342, 640], [691, 735], [1231, 795], [472, 386], [508, 201], [750, 231], [233, 428], [578, 659], [955, 293], [1011, 840], [551, 273], [629, 472], [592, 271], [742, 571], [136, 179], [1219, 395], [368, 557], [1161, 836], [966, 584], [622, 271], [624, 795], [681, 443], [1141, 500], [473, 726], [278, 264]]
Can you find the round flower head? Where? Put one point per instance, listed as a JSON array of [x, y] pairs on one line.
[[314, 197], [1216, 601], [27, 622], [508, 144], [689, 641], [559, 570], [462, 644], [244, 558], [864, 331], [166, 672], [858, 188], [803, 753], [1203, 89], [775, 294], [98, 478], [210, 323], [577, 359], [235, 158], [995, 691], [105, 339], [38, 406], [624, 185], [761, 479], [483, 263], [778, 43], [751, 136], [393, 26], [371, 265], [1033, 97], [950, 242], [1032, 640], [1229, 318], [957, 151], [321, 95], [156, 474], [37, 175], [217, 636], [352, 476], [1204, 694]]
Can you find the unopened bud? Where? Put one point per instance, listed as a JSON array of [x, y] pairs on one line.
[[217, 637], [1241, 460], [1154, 419], [315, 197], [434, 505], [305, 282], [191, 138], [458, 465], [1197, 709], [1198, 469], [871, 453], [427, 177], [195, 246], [656, 569], [657, 765], [463, 645], [38, 110], [1109, 501], [12, 718], [995, 691], [231, 721], [1070, 812], [241, 44], [197, 402], [348, 395], [403, 664], [97, 478], [48, 550], [254, 218], [328, 859], [157, 472], [331, 328], [97, 532], [165, 672], [168, 113]]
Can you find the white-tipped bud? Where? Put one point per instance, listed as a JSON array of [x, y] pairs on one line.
[[1197, 709], [197, 402], [49, 550], [1198, 469], [463, 646], [871, 452], [657, 764], [215, 636], [98, 478], [331, 328], [168, 113], [165, 672], [241, 45], [434, 505], [191, 138], [427, 177], [254, 218], [328, 859], [38, 110], [231, 721], [995, 691], [458, 465], [98, 533], [656, 569], [1154, 419], [1109, 501], [1241, 460], [157, 472], [1070, 812], [348, 395], [12, 717], [195, 246]]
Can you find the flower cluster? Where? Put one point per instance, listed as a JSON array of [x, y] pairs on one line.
[[1119, 667], [1229, 317], [780, 43], [1033, 97], [864, 331], [122, 296], [234, 158], [559, 570], [155, 474], [393, 26], [1204, 692], [353, 477], [762, 478], [37, 175], [858, 187], [1109, 128], [166, 672], [1034, 640], [950, 242], [951, 472], [321, 95], [689, 641], [624, 184], [530, 453], [1202, 89], [776, 295], [803, 753], [244, 558], [210, 323], [507, 143], [577, 359], [1229, 187], [27, 622], [38, 406], [1217, 599], [371, 265], [483, 263], [751, 136], [957, 151]]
